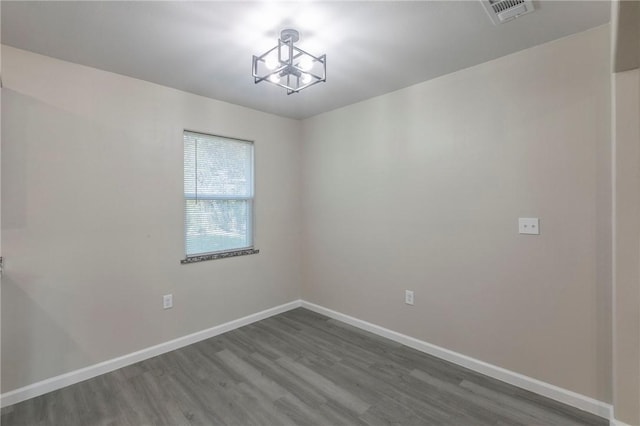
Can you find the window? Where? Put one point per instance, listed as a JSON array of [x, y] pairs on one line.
[[218, 197]]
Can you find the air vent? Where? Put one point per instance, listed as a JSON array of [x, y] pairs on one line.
[[501, 11]]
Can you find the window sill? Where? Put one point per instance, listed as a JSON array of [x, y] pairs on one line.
[[214, 256]]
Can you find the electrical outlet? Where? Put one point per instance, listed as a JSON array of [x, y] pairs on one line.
[[408, 297], [167, 301], [529, 225]]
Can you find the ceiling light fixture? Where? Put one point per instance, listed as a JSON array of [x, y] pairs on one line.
[[288, 66]]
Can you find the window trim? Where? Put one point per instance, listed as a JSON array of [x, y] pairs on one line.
[[222, 254]]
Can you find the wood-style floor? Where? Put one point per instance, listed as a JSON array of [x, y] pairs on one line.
[[297, 368]]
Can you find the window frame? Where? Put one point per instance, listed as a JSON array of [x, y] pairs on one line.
[[233, 252]]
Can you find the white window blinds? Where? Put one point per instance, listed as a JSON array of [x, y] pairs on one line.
[[218, 194]]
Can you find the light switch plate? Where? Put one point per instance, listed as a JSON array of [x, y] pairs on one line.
[[529, 225]]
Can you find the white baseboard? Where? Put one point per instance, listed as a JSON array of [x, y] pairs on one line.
[[58, 382], [615, 422], [565, 396]]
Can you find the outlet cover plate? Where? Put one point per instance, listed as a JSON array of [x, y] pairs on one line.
[[167, 301], [529, 225], [408, 297]]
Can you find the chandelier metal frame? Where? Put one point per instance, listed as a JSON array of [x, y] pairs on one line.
[[289, 71]]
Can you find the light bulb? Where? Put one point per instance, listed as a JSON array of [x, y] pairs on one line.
[[274, 78], [271, 63], [306, 63], [306, 78]]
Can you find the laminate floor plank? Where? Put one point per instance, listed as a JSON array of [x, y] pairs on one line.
[[545, 416], [269, 413], [339, 415], [325, 386], [472, 403], [296, 368], [253, 376], [196, 410], [300, 344], [287, 380], [301, 413], [381, 394]]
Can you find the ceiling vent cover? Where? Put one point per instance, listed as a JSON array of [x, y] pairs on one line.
[[501, 11]]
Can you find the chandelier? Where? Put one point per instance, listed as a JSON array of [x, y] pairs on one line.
[[288, 66]]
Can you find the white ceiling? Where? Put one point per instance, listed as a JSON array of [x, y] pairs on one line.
[[206, 47]]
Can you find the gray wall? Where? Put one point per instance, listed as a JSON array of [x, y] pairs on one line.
[[92, 217], [625, 26], [421, 189], [626, 316]]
